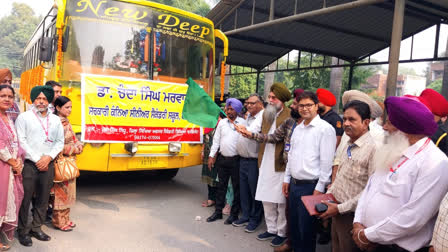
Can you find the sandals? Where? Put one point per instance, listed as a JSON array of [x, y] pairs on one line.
[[71, 224], [208, 203], [66, 228], [4, 247]]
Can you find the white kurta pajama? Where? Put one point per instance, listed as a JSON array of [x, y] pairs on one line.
[[269, 191]]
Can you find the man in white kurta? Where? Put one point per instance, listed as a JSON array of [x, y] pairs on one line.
[[397, 209], [272, 167]]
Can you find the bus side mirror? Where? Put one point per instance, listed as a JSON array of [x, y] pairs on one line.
[[65, 38], [46, 49]]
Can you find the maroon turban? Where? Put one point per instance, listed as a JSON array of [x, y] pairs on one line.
[[297, 92], [410, 116]]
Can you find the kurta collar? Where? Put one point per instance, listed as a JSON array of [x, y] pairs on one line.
[[411, 150]]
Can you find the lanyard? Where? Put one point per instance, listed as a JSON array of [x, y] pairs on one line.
[[349, 152], [41, 124], [292, 129], [406, 159]]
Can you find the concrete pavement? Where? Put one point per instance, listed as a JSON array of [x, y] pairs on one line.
[[137, 212]]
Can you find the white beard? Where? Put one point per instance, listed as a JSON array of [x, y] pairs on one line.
[[390, 152], [270, 112]]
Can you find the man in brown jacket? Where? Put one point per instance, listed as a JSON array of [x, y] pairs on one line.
[[272, 167]]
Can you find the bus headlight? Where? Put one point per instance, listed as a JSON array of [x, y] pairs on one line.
[[174, 147], [97, 145], [132, 148]]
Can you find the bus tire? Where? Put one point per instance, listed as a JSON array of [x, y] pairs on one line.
[[168, 174]]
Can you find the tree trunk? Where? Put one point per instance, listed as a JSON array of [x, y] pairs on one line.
[[445, 75], [269, 80], [336, 82]]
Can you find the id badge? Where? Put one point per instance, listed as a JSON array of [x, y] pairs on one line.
[[287, 147], [48, 143]]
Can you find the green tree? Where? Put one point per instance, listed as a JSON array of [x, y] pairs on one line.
[[199, 7], [15, 30], [243, 85], [436, 85]]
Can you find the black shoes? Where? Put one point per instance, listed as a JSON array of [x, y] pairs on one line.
[[25, 240], [324, 237], [215, 216], [40, 235], [230, 220]]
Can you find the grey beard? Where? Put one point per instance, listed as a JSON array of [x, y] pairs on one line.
[[392, 150], [270, 113], [40, 110]]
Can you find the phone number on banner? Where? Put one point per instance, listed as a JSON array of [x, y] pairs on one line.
[[141, 134]]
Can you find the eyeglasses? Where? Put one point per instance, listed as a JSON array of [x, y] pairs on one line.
[[307, 106], [7, 81], [252, 103]]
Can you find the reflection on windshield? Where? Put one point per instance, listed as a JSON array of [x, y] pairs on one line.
[[108, 49], [182, 58], [132, 58], [119, 49]]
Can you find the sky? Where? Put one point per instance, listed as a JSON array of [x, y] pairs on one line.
[[423, 42]]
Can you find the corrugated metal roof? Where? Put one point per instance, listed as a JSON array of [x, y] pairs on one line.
[[349, 34]]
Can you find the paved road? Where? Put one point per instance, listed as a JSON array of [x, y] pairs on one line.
[[137, 212]]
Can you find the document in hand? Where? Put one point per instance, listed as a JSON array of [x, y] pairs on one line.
[[310, 201]]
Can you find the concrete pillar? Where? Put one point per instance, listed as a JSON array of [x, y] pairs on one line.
[[394, 51], [336, 76], [269, 80]]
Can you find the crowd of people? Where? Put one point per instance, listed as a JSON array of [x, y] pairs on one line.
[[382, 162], [30, 144]]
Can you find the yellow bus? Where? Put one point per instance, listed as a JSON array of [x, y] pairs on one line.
[[126, 38]]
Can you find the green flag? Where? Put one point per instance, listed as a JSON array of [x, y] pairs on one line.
[[199, 108]]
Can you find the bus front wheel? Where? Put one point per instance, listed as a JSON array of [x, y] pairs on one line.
[[168, 173]]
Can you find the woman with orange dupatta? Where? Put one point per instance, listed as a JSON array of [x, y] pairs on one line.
[[11, 165], [65, 192]]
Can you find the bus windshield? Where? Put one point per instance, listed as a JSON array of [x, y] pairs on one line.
[[151, 48]]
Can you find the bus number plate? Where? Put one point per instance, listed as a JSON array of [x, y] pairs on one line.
[[152, 162]]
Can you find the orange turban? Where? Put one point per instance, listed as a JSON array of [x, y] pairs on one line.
[[3, 73], [326, 97]]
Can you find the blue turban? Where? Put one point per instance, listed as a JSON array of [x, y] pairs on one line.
[[235, 103]]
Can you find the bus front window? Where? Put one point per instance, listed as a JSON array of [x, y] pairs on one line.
[[107, 49], [176, 59]]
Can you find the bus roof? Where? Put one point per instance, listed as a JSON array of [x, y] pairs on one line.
[[139, 2]]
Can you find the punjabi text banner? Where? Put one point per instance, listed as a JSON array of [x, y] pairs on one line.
[[117, 109]]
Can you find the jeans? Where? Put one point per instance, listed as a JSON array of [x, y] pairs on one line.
[[252, 209]]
